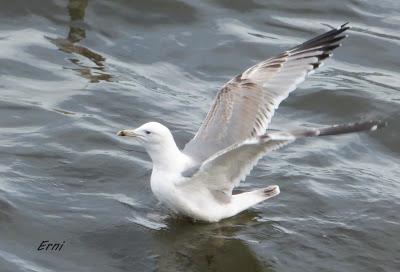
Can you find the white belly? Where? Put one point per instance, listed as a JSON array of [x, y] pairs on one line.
[[199, 203]]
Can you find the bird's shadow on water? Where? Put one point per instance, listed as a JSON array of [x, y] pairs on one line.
[[177, 243], [184, 245], [165, 243]]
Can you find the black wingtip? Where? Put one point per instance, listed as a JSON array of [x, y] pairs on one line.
[[328, 38], [370, 125], [345, 25]]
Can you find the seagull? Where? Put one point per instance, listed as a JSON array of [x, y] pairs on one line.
[[198, 181]]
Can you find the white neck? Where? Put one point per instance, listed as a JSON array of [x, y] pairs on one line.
[[167, 158]]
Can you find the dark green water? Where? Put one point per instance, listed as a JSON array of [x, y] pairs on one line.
[[72, 73]]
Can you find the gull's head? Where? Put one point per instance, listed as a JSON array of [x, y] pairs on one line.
[[153, 136]]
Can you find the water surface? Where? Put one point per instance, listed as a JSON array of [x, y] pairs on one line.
[[72, 73]]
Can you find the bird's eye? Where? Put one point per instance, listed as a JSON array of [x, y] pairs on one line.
[[147, 132]]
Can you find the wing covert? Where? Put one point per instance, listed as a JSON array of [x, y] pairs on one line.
[[245, 105]]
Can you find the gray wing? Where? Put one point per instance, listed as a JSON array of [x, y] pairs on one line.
[[244, 106], [227, 168]]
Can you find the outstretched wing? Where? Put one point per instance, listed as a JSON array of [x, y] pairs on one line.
[[224, 170], [245, 105]]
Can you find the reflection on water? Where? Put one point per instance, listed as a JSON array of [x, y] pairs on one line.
[[186, 246], [76, 11], [77, 32], [65, 175]]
